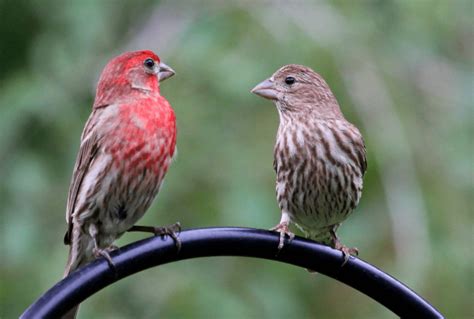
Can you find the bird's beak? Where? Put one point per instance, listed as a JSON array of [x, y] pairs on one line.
[[164, 72], [266, 89]]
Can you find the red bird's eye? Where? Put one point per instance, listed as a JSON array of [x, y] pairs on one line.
[[149, 63]]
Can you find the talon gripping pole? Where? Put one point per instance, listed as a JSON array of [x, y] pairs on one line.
[[245, 242]]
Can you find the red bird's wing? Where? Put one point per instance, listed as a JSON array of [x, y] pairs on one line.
[[87, 152]]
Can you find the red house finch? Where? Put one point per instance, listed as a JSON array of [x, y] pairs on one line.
[[319, 157], [126, 147]]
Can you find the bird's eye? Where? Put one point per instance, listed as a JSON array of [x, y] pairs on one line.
[[149, 63], [290, 80]]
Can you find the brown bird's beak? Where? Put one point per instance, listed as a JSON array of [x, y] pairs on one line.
[[165, 72], [266, 89]]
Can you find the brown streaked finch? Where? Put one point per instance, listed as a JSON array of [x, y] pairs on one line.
[[126, 147], [319, 157]]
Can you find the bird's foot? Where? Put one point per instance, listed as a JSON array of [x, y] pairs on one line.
[[346, 251], [98, 252], [172, 230], [282, 228]]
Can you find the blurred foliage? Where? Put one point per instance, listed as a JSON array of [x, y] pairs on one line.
[[402, 71]]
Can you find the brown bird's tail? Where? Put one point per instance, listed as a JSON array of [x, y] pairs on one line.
[[71, 314], [74, 261]]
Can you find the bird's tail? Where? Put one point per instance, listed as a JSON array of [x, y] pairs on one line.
[[76, 258], [74, 261], [71, 314]]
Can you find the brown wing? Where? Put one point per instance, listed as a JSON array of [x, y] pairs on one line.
[[359, 147], [364, 157], [87, 152], [275, 163]]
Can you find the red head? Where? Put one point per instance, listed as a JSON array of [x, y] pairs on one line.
[[131, 74]]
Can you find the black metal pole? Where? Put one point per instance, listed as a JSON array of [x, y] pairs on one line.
[[207, 242]]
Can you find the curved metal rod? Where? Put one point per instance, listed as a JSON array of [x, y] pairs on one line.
[[247, 242]]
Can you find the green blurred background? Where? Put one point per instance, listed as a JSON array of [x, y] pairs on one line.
[[401, 70]]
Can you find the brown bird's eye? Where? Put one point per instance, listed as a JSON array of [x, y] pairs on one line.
[[290, 80], [149, 63]]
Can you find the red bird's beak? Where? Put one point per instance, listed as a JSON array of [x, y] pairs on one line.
[[266, 89], [165, 72]]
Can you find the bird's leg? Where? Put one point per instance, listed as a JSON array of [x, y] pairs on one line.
[[99, 252], [172, 230], [346, 251], [282, 228]]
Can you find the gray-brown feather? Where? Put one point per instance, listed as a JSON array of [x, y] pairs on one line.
[[319, 157], [87, 152], [318, 182], [109, 195]]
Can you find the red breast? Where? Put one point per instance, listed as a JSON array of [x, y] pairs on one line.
[[145, 136]]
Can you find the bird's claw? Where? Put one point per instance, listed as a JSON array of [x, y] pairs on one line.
[[172, 230], [347, 252], [105, 253], [282, 228]]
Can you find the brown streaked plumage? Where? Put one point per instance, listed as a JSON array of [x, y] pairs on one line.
[[319, 157], [126, 147]]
